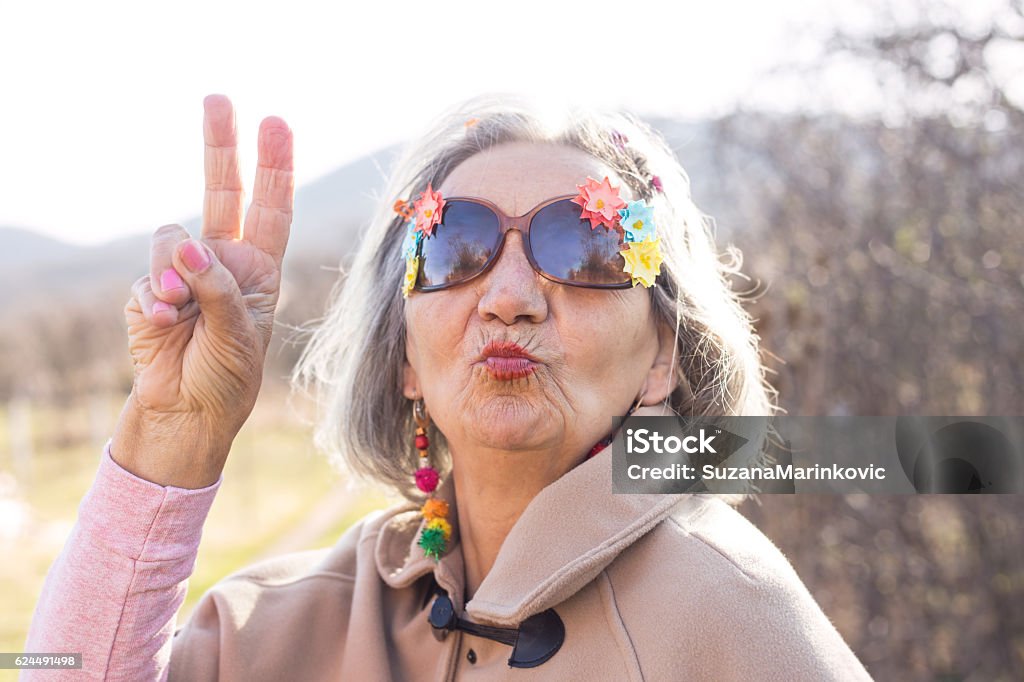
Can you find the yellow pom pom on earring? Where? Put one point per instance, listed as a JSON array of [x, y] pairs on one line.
[[441, 525]]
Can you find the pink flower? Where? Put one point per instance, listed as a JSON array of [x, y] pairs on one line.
[[600, 201], [428, 210]]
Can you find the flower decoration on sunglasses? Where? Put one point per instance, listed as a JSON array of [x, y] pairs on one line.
[[403, 208], [427, 210], [423, 215], [412, 268], [643, 261], [637, 221], [412, 240], [602, 205]]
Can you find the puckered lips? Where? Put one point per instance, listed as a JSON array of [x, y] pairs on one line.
[[506, 360]]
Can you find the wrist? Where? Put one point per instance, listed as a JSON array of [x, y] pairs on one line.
[[169, 449]]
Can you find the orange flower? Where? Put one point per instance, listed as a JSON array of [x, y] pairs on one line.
[[403, 208]]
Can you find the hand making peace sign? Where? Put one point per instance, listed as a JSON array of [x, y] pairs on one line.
[[200, 322]]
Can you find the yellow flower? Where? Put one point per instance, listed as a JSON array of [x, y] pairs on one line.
[[412, 268], [643, 261]]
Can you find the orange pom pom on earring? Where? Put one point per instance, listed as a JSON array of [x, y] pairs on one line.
[[435, 509]]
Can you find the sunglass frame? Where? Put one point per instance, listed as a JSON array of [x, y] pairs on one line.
[[523, 224]]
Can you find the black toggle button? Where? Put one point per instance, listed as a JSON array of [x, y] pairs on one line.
[[442, 617], [540, 637], [535, 641]]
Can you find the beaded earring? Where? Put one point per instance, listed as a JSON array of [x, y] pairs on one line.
[[437, 531]]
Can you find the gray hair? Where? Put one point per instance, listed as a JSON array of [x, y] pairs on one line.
[[355, 356]]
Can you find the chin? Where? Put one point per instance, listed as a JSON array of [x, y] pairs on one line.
[[512, 422]]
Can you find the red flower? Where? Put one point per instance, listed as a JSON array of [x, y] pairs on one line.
[[601, 203], [428, 210]]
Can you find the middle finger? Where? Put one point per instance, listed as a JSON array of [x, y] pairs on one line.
[[222, 203]]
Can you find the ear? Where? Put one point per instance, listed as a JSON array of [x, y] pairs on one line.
[[662, 378], [410, 382]]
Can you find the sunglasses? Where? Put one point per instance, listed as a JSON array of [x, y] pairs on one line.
[[559, 245]]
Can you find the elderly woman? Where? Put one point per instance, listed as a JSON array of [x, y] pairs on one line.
[[534, 279]]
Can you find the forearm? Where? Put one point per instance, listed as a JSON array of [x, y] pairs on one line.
[[113, 592]]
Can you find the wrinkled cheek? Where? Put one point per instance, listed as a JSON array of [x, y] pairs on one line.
[[417, 341], [603, 368], [433, 340], [564, 384], [588, 357]]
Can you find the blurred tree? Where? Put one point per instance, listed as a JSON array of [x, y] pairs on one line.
[[893, 251], [961, 62]]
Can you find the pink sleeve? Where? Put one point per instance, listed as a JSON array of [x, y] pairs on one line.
[[113, 592]]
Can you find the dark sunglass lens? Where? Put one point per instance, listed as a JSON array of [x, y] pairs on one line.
[[460, 245], [566, 247]]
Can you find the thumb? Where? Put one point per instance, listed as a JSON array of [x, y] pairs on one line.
[[213, 287]]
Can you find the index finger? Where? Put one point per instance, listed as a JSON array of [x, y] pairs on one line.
[[268, 221], [222, 202]]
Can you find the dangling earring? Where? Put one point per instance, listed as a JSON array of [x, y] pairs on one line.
[[639, 400], [435, 534]]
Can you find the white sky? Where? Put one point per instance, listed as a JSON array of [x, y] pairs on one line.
[[102, 102]]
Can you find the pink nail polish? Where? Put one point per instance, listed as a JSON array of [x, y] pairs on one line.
[[194, 256], [160, 306], [171, 280]]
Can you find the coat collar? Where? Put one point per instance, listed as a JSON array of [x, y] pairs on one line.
[[400, 559], [567, 534]]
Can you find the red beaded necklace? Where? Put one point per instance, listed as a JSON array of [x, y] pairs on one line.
[[607, 440]]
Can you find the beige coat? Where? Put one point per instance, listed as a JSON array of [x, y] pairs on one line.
[[648, 587]]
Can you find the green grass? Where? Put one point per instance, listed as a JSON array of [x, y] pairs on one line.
[[272, 481]]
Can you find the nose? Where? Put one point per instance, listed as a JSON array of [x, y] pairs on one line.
[[511, 290]]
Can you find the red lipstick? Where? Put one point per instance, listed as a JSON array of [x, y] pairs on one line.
[[506, 360]]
